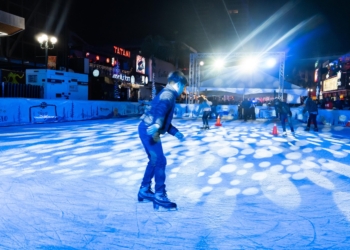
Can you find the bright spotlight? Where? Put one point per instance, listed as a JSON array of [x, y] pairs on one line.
[[201, 63], [219, 63], [249, 64], [271, 62], [53, 40]]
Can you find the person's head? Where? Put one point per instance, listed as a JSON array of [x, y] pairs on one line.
[[178, 81], [201, 99]]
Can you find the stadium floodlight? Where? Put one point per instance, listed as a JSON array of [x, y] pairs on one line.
[[249, 64], [219, 64], [271, 62], [201, 63]]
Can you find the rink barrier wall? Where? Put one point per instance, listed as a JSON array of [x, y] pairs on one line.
[[20, 111]]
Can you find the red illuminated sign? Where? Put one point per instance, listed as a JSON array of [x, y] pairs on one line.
[[121, 51]]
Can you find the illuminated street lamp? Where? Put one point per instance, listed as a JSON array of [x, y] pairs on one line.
[[46, 43]]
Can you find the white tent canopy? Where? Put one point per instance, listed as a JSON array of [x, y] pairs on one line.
[[255, 83]]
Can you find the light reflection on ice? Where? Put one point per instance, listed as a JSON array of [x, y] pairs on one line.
[[319, 180], [294, 156], [228, 168], [241, 172], [276, 168], [235, 182], [214, 167], [258, 176], [131, 164], [250, 191], [215, 180], [262, 153], [232, 192], [293, 168], [247, 151], [206, 189], [227, 151], [307, 150], [342, 199], [264, 164], [248, 165]]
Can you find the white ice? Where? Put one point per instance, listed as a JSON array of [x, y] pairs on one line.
[[74, 186]]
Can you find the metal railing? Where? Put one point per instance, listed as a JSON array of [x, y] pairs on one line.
[[21, 90]]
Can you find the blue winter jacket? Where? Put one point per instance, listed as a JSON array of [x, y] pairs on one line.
[[162, 111]]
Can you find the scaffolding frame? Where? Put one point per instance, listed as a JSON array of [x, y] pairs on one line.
[[194, 68]]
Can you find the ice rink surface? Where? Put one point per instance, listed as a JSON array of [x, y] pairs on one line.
[[74, 186]]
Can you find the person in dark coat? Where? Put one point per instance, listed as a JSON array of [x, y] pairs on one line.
[[246, 108], [155, 122], [285, 115], [312, 109]]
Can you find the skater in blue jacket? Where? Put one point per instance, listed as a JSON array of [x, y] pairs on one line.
[[155, 122], [205, 105]]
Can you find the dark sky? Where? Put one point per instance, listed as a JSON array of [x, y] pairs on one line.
[[309, 28]]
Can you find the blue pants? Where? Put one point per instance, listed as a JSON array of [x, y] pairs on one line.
[[284, 118], [205, 117], [157, 161]]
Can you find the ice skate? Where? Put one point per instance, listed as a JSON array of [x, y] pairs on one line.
[[207, 127], [292, 131], [162, 203], [307, 129], [316, 129], [145, 194], [204, 127]]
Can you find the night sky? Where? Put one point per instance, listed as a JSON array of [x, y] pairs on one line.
[[310, 28]]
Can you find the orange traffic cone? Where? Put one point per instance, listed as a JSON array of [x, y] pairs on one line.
[[218, 123], [274, 130], [347, 124]]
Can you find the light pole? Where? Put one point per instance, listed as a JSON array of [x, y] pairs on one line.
[[46, 43]]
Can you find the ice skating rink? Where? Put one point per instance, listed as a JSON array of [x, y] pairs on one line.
[[74, 186]]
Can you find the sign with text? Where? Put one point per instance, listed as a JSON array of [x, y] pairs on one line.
[[122, 77], [121, 51]]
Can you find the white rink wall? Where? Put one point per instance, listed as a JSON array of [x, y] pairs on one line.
[[19, 111]]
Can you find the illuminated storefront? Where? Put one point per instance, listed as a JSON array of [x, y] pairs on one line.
[[117, 75]]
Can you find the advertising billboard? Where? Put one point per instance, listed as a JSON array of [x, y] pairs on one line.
[[51, 62], [330, 84], [140, 64]]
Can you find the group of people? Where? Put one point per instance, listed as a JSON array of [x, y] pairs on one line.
[[246, 110], [158, 120], [335, 103], [285, 114]]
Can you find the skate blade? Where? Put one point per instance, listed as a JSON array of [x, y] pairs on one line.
[[164, 209], [160, 208]]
